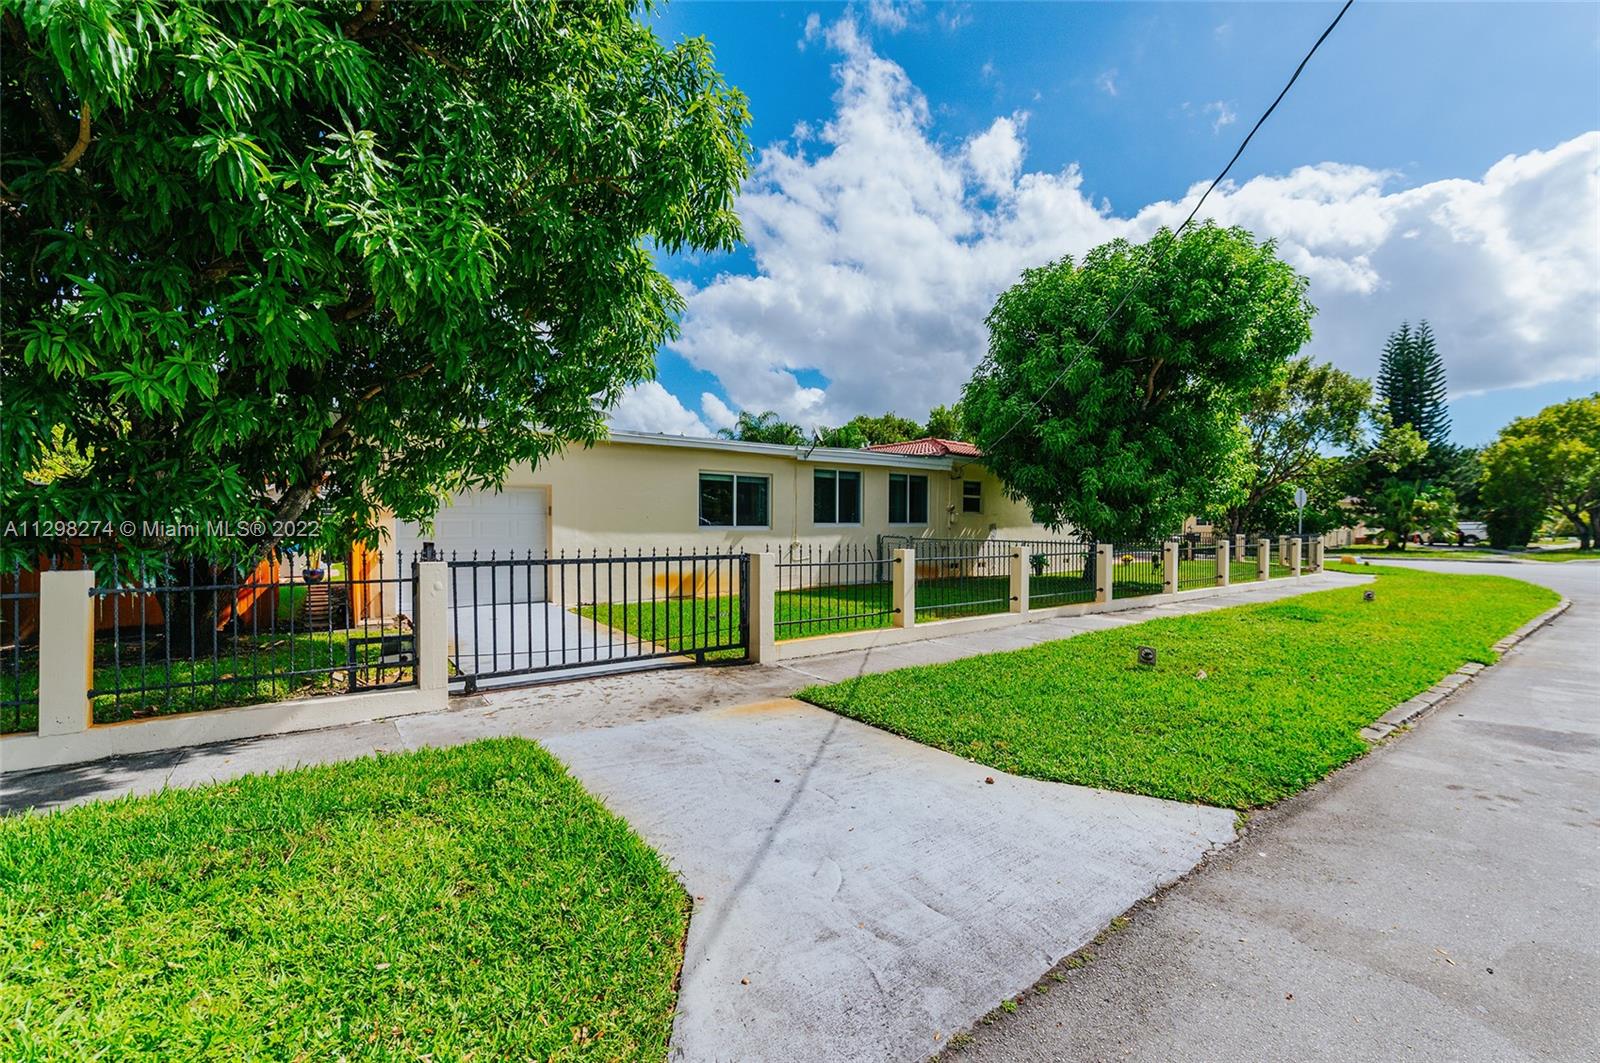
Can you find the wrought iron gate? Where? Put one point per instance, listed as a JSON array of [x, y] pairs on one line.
[[552, 616]]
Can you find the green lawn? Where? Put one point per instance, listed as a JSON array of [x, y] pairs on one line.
[[461, 903], [248, 670], [684, 624], [1286, 687], [1431, 553]]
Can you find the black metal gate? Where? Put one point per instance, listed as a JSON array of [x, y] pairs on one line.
[[559, 617]]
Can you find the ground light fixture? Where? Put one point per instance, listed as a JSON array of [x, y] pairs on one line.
[[1368, 596], [1147, 655]]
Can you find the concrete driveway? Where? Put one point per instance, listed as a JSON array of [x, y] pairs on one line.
[[535, 635], [859, 896]]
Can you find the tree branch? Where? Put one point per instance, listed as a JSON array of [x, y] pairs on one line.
[[75, 152], [368, 13]]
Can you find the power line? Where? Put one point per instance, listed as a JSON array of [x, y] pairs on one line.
[[1145, 251]]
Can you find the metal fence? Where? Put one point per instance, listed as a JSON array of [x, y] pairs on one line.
[[19, 652], [1197, 565], [184, 636], [523, 616], [1059, 573], [826, 590], [1136, 569], [1243, 567], [958, 577]]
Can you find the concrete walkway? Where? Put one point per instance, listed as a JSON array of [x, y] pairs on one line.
[[1437, 900]]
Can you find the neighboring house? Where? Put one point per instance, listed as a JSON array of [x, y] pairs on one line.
[[637, 491]]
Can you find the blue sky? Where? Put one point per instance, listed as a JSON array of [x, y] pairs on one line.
[[1102, 113]]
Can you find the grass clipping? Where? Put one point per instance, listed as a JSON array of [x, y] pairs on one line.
[[1244, 706]]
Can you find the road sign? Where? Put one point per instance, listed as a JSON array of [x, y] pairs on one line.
[[1300, 510], [1299, 498]]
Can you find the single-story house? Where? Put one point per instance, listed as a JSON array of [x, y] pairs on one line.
[[638, 491]]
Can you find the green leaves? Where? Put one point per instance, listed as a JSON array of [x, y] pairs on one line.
[[304, 248], [1123, 425]]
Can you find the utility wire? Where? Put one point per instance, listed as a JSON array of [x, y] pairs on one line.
[[1145, 251]]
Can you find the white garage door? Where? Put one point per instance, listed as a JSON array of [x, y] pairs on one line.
[[509, 523]]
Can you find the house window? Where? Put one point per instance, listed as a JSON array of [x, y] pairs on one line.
[[835, 497], [971, 496], [731, 501], [908, 499]]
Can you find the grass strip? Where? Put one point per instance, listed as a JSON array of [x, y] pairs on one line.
[[1244, 706], [460, 903]]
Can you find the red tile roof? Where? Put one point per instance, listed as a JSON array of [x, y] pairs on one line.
[[931, 448]]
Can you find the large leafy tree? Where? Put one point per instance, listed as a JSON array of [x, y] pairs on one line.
[[1293, 423], [863, 430], [1122, 424], [317, 258], [1554, 457], [948, 422]]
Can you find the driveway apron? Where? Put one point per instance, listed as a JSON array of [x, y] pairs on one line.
[[860, 896]]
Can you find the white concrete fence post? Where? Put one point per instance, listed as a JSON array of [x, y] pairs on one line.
[[903, 592], [66, 651], [1264, 559], [1238, 545], [432, 619], [761, 595], [1019, 580], [1222, 563], [1317, 547], [1102, 572], [1294, 557], [1169, 567]]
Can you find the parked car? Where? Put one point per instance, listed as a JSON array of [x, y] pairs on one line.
[[1471, 532]]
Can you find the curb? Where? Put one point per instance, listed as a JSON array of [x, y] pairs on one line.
[[1408, 712]]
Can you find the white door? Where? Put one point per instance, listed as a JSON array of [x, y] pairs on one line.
[[508, 523]]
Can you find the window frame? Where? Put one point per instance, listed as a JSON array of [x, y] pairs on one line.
[[926, 508], [735, 477], [860, 497], [967, 502]]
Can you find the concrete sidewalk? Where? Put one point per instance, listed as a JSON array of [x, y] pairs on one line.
[[1435, 900], [565, 707]]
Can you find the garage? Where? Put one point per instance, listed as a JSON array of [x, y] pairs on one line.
[[509, 523]]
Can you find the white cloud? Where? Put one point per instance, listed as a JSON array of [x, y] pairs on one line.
[[1107, 82], [893, 15], [1222, 115], [717, 413], [952, 17], [813, 30], [649, 407], [878, 256]]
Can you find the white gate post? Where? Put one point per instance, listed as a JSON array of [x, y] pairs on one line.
[[1169, 567], [1019, 580], [761, 596], [1222, 563], [903, 591], [1264, 560], [1102, 572], [1295, 547], [66, 651], [432, 619]]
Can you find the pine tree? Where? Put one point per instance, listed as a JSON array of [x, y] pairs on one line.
[[1411, 384], [1433, 416]]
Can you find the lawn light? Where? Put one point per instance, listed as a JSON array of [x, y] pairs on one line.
[[1369, 596], [1147, 655]]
